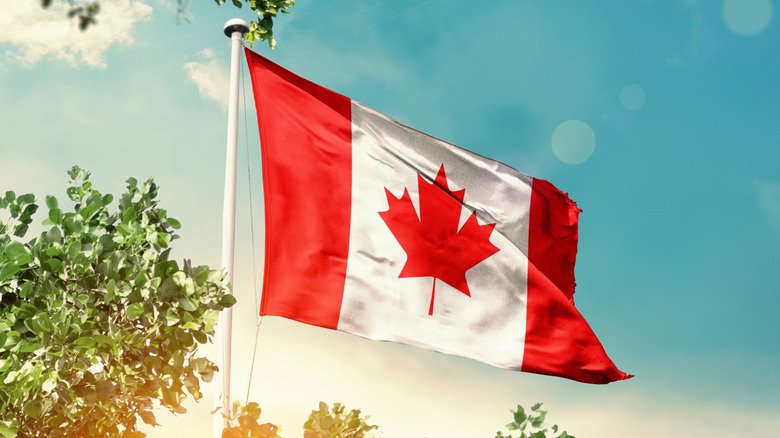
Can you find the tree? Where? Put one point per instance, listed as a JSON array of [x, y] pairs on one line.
[[336, 423], [244, 422], [96, 322], [84, 11], [261, 29], [531, 425]]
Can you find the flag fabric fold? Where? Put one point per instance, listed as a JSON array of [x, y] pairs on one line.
[[379, 230]]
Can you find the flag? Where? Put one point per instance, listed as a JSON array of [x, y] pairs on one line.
[[382, 231]]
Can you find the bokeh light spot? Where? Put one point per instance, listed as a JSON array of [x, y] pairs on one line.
[[747, 17], [573, 142], [632, 97]]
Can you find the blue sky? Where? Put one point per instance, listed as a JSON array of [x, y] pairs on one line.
[[669, 109]]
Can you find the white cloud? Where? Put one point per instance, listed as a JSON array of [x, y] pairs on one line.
[[33, 32], [210, 76], [769, 201]]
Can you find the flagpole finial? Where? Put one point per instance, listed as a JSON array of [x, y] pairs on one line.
[[235, 25]]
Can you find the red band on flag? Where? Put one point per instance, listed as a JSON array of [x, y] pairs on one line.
[[305, 256], [558, 341]]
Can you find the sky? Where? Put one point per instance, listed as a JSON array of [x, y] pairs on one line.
[[658, 117]]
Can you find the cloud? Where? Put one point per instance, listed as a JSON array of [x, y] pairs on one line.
[[210, 76], [769, 201], [34, 33]]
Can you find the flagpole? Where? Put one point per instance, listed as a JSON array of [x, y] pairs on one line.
[[235, 30]]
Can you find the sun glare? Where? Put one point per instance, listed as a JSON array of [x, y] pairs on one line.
[[573, 142]]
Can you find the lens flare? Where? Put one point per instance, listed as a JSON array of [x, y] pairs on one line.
[[573, 142]]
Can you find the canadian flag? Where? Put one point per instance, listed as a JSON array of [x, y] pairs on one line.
[[379, 230]]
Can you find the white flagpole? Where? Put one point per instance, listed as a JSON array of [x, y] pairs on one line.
[[235, 30]]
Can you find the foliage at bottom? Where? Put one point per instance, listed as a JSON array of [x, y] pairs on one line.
[[244, 423], [336, 423], [97, 324], [531, 425]]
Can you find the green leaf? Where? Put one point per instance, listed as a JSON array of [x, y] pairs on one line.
[[26, 291], [179, 278], [110, 289], [188, 287], [199, 364], [7, 430], [10, 377], [519, 416], [14, 249], [514, 426], [200, 336], [129, 216], [105, 340], [26, 310], [171, 317], [20, 230], [227, 300], [185, 339], [168, 289], [51, 202], [54, 235], [135, 311], [72, 224], [187, 304], [33, 409], [27, 198], [49, 384], [85, 342], [24, 259], [538, 420], [7, 270], [33, 326], [124, 229], [55, 265], [55, 216], [210, 317]]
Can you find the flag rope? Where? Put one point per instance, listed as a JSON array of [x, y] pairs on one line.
[[258, 318], [252, 365]]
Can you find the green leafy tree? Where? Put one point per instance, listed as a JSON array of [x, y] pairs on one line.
[[96, 322], [531, 425], [262, 28], [85, 12], [336, 423]]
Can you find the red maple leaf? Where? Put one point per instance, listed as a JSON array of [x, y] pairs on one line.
[[433, 244]]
